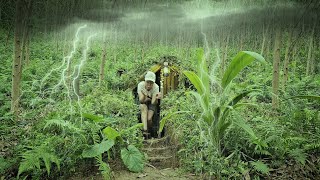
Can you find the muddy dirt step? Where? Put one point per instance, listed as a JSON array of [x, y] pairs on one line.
[[158, 158], [162, 161], [156, 142], [159, 151]]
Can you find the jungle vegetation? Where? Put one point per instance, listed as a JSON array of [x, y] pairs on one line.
[[252, 111]]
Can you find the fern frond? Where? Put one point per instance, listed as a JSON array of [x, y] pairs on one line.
[[260, 167], [63, 125], [31, 159], [103, 167], [312, 146], [298, 155], [96, 137]]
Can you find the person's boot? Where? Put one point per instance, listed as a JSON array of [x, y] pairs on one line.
[[149, 124], [146, 135]]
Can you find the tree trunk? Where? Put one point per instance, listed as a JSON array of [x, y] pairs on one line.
[[241, 38], [309, 60], [312, 61], [103, 62], [8, 36], [16, 68], [76, 81], [286, 61], [276, 62], [47, 16], [224, 55], [1, 3], [27, 52], [26, 35], [294, 61], [265, 32]]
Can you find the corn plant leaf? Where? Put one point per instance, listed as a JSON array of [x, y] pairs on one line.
[[242, 59], [202, 71], [217, 113], [234, 103], [207, 114], [200, 61], [244, 104], [167, 117], [242, 124], [195, 80], [110, 133], [132, 158], [223, 128], [198, 98], [98, 149], [236, 99]]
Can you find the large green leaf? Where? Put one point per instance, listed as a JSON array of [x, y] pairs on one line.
[[241, 123], [223, 128], [132, 158], [110, 133], [203, 100], [94, 118], [98, 149], [242, 59], [217, 112], [203, 71], [201, 64], [195, 80], [233, 103], [198, 98], [236, 99], [164, 120]]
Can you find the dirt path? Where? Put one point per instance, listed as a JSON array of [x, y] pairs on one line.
[[161, 164], [151, 173]]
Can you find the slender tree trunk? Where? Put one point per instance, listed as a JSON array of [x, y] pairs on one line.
[[255, 42], [26, 35], [16, 68], [309, 60], [265, 32], [47, 18], [225, 54], [276, 63], [312, 61], [76, 81], [103, 62], [241, 36], [8, 36], [286, 61], [294, 61], [1, 3], [318, 62], [27, 51]]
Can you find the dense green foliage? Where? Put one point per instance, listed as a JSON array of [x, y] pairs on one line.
[[224, 125]]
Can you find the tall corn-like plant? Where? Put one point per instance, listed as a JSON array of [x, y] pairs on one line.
[[214, 121]]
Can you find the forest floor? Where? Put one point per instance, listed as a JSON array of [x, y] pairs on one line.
[[149, 173], [161, 164], [152, 173]]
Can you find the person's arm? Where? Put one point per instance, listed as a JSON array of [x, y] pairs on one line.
[[143, 98], [154, 96]]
